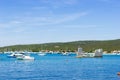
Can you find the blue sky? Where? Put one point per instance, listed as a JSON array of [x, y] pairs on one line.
[[44, 21]]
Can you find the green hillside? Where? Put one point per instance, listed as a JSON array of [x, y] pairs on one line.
[[89, 46]]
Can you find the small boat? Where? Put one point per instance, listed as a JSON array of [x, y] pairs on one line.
[[14, 55], [42, 54], [65, 53], [25, 57], [11, 55]]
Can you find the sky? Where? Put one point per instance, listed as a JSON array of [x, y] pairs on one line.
[[45, 21]]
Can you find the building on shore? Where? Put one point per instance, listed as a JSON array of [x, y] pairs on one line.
[[81, 53]]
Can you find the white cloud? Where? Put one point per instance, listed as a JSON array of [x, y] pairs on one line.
[[22, 24], [4, 25], [80, 26], [69, 17], [15, 22], [53, 19], [10, 24], [45, 20], [60, 3]]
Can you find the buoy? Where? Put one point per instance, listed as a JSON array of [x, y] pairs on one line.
[[118, 73]]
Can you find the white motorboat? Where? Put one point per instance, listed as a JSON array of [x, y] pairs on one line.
[[42, 54], [65, 53], [11, 55], [25, 57]]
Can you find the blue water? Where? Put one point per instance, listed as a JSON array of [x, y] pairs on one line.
[[58, 67]]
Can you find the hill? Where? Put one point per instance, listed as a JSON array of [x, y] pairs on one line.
[[89, 46]]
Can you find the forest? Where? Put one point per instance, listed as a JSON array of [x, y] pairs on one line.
[[88, 46]]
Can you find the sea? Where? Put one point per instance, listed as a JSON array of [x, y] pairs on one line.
[[60, 67]]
